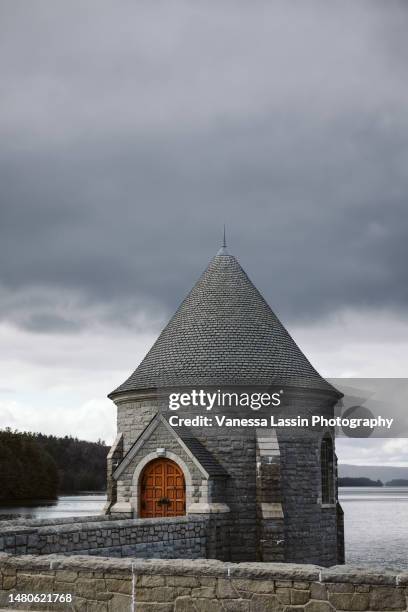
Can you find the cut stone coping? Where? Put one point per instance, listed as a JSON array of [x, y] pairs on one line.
[[360, 575], [46, 527], [204, 567], [56, 521]]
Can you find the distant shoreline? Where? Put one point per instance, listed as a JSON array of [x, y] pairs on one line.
[[372, 487]]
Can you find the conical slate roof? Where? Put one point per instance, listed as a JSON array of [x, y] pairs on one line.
[[223, 333]]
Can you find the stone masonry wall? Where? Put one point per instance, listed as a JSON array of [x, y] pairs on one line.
[[237, 454], [133, 416], [118, 585], [183, 537], [310, 529]]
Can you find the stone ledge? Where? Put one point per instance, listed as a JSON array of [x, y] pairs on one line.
[[208, 567], [205, 567], [56, 521], [359, 575], [108, 584], [211, 508], [402, 579], [48, 527]]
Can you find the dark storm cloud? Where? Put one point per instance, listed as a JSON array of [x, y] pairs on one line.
[[130, 132]]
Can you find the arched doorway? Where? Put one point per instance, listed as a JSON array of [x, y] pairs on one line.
[[162, 490]]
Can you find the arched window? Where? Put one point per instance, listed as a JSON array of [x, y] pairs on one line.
[[327, 470], [162, 489]]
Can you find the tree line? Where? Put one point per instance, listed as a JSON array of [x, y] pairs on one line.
[[36, 466], [368, 482], [359, 482]]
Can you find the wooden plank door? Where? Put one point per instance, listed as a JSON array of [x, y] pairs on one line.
[[162, 490]]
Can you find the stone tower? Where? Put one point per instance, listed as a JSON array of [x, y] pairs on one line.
[[272, 494]]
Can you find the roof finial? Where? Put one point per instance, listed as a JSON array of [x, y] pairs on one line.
[[223, 249]]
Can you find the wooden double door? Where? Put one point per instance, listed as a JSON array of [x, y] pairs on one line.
[[162, 490]]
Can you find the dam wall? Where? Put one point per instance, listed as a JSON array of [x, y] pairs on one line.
[[108, 584]]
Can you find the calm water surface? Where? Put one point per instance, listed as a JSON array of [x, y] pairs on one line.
[[376, 525], [86, 504], [376, 521]]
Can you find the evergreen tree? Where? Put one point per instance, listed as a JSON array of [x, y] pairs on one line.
[[36, 466]]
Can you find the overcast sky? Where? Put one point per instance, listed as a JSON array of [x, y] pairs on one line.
[[131, 131]]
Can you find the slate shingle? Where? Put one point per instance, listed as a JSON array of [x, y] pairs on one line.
[[223, 333], [201, 453]]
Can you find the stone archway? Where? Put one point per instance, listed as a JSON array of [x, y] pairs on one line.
[[162, 489]]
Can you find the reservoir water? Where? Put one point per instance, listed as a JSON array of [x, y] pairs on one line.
[[376, 521], [83, 504], [376, 526]]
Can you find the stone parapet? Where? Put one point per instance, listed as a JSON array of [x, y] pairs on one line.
[[107, 584], [184, 537], [71, 520], [195, 536]]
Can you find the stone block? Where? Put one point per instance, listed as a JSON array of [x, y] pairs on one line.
[[283, 595], [184, 604], [64, 587], [89, 587], [360, 602], [244, 585], [236, 605], [387, 598], [96, 606], [402, 579], [32, 540], [299, 597], [150, 581], [318, 606], [159, 594], [9, 582], [352, 575], [66, 576], [301, 585], [283, 583], [266, 603], [80, 604], [120, 603], [206, 581], [113, 585], [318, 591], [226, 589], [146, 606], [35, 583], [207, 592], [4, 600], [341, 587], [341, 601], [206, 605], [90, 574]]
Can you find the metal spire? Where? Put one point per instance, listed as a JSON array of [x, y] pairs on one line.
[[223, 249]]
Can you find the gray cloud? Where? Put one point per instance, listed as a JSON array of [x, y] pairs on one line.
[[129, 133]]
